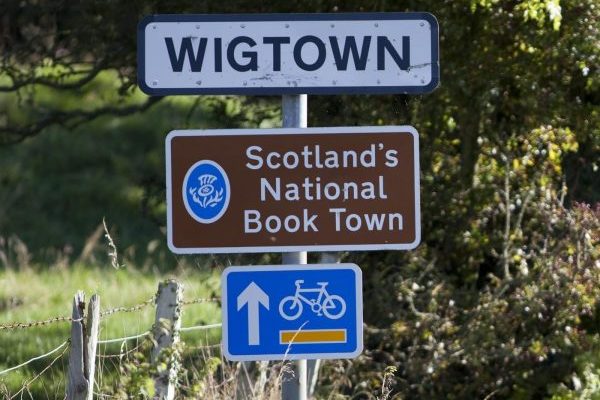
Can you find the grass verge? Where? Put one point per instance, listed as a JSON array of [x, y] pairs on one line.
[[33, 295]]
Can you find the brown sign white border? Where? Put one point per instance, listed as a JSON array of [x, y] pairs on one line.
[[292, 131]]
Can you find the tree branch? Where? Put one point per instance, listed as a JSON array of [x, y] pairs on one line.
[[54, 84], [10, 135]]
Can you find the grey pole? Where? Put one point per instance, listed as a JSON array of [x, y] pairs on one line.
[[295, 112]]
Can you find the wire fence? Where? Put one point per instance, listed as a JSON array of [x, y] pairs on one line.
[[104, 313], [66, 345], [33, 324], [63, 344]]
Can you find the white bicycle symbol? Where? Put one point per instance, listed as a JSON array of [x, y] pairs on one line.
[[332, 306]]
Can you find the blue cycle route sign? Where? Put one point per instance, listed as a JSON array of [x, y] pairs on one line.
[[292, 312]]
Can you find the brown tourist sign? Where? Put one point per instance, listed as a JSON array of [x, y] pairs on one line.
[[293, 189]]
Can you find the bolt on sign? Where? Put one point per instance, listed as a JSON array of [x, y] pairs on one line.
[[288, 53], [293, 189]]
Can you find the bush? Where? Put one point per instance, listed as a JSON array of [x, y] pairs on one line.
[[512, 311]]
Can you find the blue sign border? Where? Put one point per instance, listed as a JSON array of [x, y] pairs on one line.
[[303, 267], [407, 16]]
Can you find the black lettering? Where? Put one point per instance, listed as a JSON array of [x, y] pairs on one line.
[[186, 48], [383, 44], [276, 41], [252, 64], [298, 53], [218, 55], [341, 59]]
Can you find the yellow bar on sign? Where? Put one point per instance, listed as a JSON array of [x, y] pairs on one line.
[[313, 336]]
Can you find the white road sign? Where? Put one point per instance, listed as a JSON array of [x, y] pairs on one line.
[[288, 53]]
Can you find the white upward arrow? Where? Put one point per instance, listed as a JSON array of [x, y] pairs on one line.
[[252, 296]]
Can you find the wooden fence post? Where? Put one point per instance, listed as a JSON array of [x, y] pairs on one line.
[[84, 340], [91, 341], [166, 334]]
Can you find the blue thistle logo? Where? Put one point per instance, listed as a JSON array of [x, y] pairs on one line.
[[206, 191]]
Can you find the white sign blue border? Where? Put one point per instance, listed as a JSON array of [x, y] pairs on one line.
[[324, 80], [262, 294]]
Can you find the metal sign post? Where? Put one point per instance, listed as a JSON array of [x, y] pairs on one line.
[[290, 193], [295, 115]]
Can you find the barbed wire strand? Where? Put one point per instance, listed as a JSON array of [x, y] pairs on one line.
[[34, 359], [32, 324], [105, 313], [201, 300], [136, 307]]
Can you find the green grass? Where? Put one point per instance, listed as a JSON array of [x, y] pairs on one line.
[[31, 294]]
